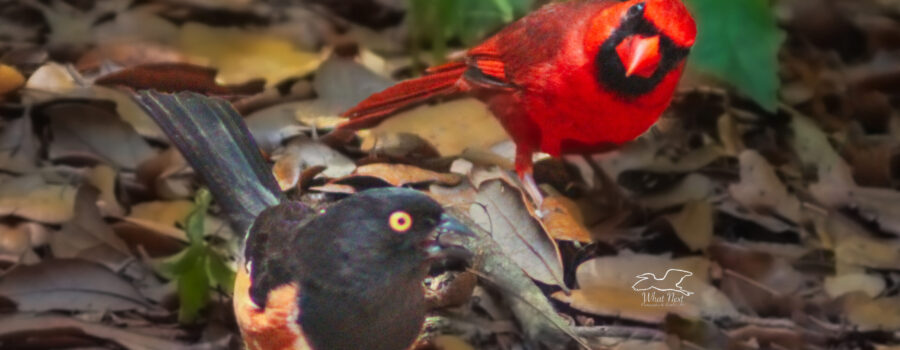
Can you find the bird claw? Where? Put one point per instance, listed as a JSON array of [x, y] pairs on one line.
[[531, 188]]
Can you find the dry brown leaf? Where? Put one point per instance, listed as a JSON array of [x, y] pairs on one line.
[[694, 187], [871, 314], [273, 125], [449, 342], [30, 326], [10, 79], [166, 77], [461, 196], [162, 217], [500, 210], [862, 250], [694, 224], [70, 26], [70, 284], [446, 126], [169, 213], [128, 54], [302, 153], [774, 272], [563, 219], [48, 81], [103, 177], [31, 197], [161, 174], [871, 164], [241, 55], [16, 245], [19, 148], [870, 285], [607, 287], [760, 188], [86, 131], [837, 189], [403, 174], [86, 235], [341, 83]]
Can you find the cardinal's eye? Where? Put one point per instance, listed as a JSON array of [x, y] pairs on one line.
[[636, 11], [400, 221]]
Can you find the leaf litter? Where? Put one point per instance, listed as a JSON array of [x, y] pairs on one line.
[[785, 215]]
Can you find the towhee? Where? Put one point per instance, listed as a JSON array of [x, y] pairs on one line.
[[344, 276]]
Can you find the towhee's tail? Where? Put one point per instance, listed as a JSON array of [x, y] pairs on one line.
[[216, 143]]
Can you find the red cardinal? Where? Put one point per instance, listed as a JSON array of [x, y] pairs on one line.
[[573, 77]]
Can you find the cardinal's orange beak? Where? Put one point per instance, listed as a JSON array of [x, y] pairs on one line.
[[640, 55]]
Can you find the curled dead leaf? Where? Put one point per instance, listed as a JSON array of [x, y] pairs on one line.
[[403, 174], [500, 210], [10, 79], [70, 284]]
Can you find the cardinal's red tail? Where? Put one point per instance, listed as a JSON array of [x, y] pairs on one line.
[[440, 81]]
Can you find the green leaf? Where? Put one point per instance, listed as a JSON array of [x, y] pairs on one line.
[[193, 290], [738, 41], [468, 20], [220, 274], [194, 222], [176, 265]]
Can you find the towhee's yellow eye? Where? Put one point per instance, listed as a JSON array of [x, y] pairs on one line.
[[400, 221]]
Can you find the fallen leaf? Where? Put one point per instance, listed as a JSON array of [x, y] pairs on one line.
[[72, 285], [40, 325], [607, 287], [870, 285], [86, 131], [128, 54], [49, 80], [19, 147], [16, 246], [31, 197], [241, 55], [169, 213], [271, 126], [563, 220], [71, 27], [10, 79], [166, 77], [103, 177], [694, 187], [341, 83], [500, 210], [301, 153], [870, 314], [446, 126], [837, 189], [760, 188], [164, 218], [167, 175], [87, 233], [461, 196], [694, 224], [863, 250], [402, 174]]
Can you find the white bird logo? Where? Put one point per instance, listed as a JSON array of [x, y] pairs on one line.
[[663, 284]]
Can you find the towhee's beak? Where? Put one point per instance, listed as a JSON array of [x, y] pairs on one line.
[[450, 227], [640, 55]]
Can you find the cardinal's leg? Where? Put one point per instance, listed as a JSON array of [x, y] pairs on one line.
[[525, 170]]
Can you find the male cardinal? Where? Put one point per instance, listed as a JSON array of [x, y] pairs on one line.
[[346, 276], [572, 77]]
